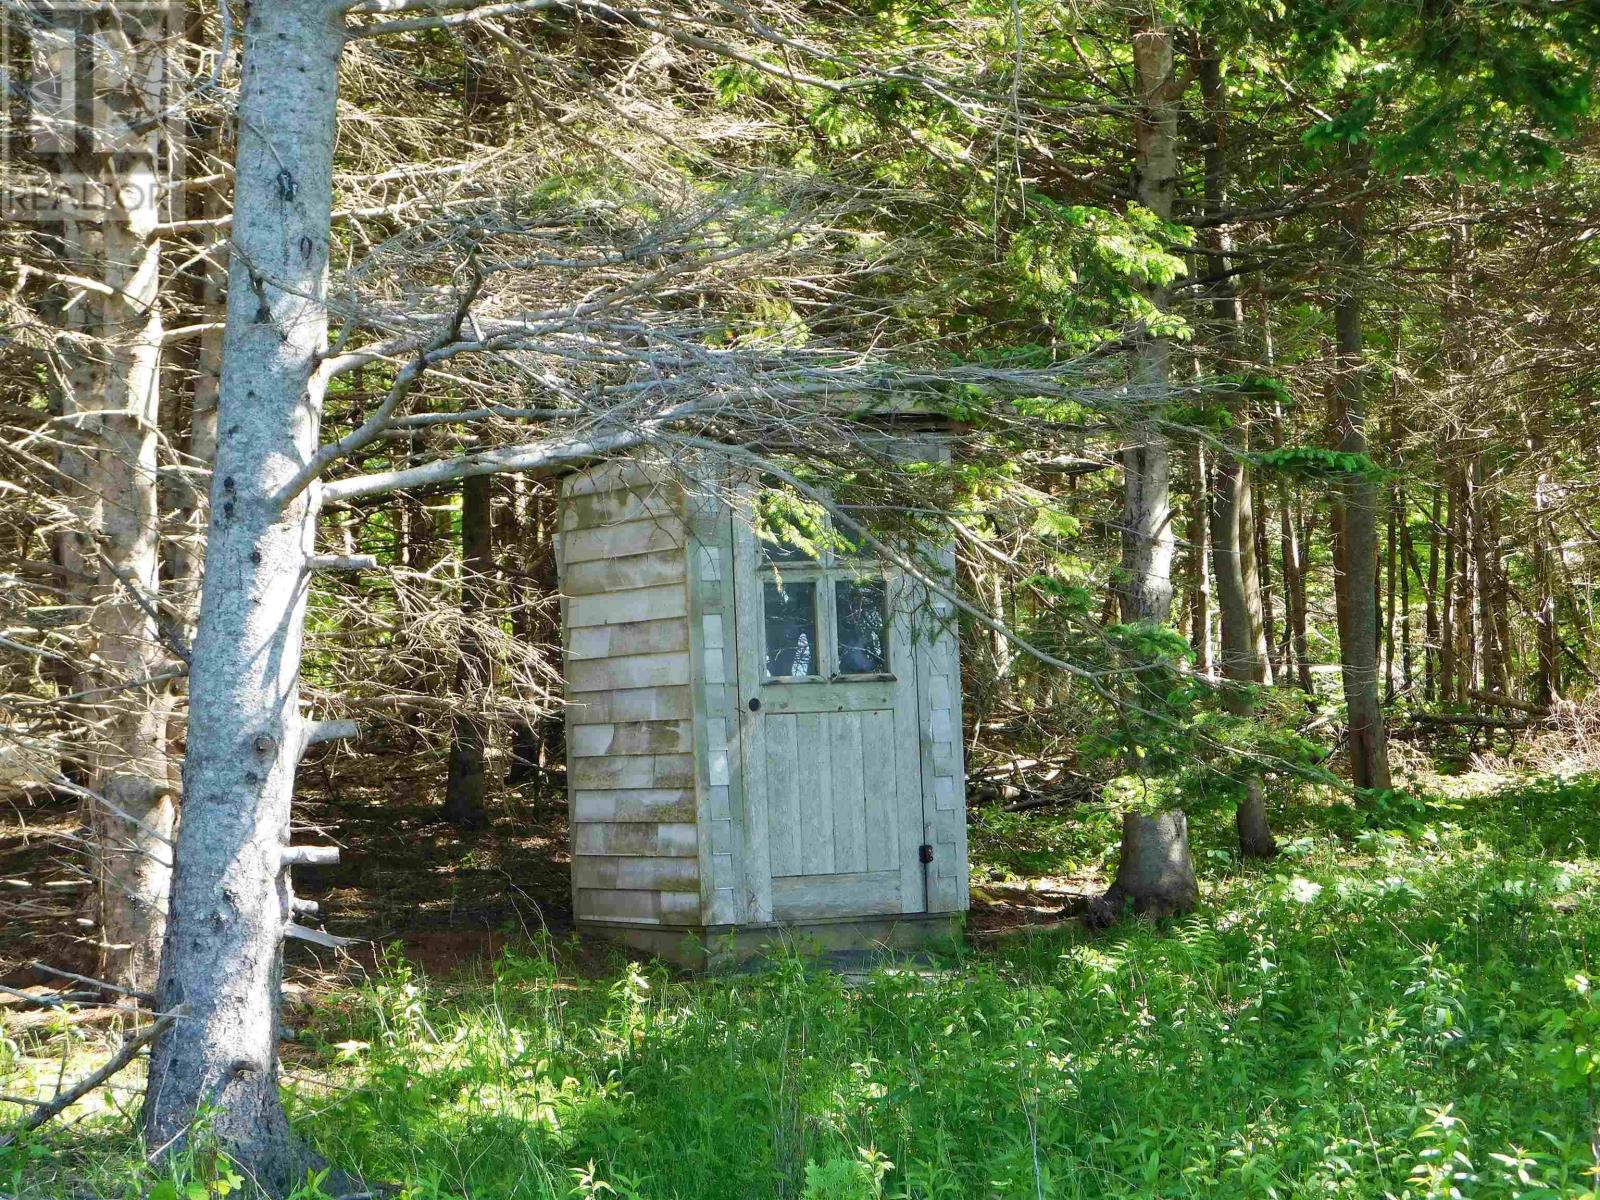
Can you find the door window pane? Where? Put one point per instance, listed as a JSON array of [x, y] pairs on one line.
[[790, 615], [863, 621]]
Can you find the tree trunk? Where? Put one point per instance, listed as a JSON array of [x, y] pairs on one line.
[[1267, 620], [1199, 576], [1467, 642], [1391, 555], [1485, 555], [536, 741], [1155, 873], [1447, 604], [1499, 598], [1155, 850], [1233, 528], [1408, 562], [1293, 548], [110, 179], [1358, 511], [132, 851], [1145, 590], [1430, 613], [1294, 588], [999, 645], [1250, 821], [1232, 543], [1547, 688], [231, 895], [466, 796]]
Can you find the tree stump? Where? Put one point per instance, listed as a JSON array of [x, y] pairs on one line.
[[1156, 873]]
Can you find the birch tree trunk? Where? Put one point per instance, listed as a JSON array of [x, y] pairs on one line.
[[223, 955]]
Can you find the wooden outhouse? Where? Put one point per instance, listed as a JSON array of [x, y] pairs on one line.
[[760, 743]]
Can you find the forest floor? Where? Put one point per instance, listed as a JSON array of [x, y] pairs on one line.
[[1397, 1005]]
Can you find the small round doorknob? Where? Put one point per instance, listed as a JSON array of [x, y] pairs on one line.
[[755, 704]]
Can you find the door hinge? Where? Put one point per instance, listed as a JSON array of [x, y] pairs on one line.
[[925, 853]]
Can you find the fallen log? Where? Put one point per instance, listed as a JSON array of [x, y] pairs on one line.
[[1471, 721], [1496, 700]]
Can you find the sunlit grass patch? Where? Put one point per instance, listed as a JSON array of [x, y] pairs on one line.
[[1378, 1011]]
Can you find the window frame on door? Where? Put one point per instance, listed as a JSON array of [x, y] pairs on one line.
[[825, 570]]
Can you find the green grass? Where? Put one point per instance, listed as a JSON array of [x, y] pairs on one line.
[[1381, 1011]]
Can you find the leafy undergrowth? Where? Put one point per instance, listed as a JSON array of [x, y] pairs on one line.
[[1396, 1006]]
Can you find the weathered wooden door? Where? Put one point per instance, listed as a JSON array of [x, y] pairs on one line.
[[829, 745]]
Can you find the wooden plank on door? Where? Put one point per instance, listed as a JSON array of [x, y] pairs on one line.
[[849, 793], [857, 894], [880, 781], [781, 767], [939, 704], [748, 744], [815, 783], [910, 763]]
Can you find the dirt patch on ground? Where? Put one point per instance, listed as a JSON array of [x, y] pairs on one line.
[[1015, 906]]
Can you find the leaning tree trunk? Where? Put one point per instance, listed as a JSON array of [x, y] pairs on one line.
[[1145, 593], [231, 898], [1358, 504], [466, 794]]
